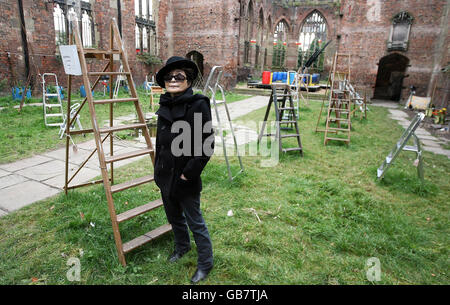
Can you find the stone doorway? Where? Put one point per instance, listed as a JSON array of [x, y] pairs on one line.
[[391, 72], [197, 58]]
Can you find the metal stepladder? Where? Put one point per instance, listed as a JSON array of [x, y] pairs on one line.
[[339, 101], [47, 105], [116, 47], [211, 85], [282, 93], [401, 145]]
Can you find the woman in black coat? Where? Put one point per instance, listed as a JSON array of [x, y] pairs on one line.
[[184, 144]]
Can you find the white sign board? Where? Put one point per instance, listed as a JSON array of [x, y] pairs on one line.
[[69, 55]]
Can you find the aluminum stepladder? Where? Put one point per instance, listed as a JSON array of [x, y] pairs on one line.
[[401, 145], [47, 105], [284, 92], [116, 47], [339, 101], [73, 111], [211, 85]]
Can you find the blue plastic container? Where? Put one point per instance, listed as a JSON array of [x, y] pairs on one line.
[[315, 78], [291, 77]]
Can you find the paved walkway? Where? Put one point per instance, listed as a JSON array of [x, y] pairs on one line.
[[33, 179], [430, 143]]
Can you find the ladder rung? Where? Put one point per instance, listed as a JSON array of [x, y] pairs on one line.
[[132, 183], [288, 122], [97, 51], [122, 127], [54, 124], [51, 94], [338, 139], [287, 108], [139, 210], [117, 100], [339, 119], [339, 109], [291, 149], [53, 105], [290, 135], [107, 73], [132, 154], [53, 114], [143, 239], [339, 129]]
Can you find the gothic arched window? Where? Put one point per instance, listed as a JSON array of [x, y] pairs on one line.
[[312, 35]]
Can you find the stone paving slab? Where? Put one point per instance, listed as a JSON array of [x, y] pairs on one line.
[[83, 176], [4, 173], [17, 196], [11, 180], [18, 165], [44, 171]]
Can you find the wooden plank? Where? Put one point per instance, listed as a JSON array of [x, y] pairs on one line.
[[147, 237], [139, 210], [122, 127], [290, 135], [132, 183], [338, 139], [117, 100], [132, 154], [107, 73]]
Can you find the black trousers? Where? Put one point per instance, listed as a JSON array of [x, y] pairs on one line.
[[184, 212]]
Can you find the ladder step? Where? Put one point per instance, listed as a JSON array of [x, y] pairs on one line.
[[339, 129], [53, 105], [339, 109], [132, 183], [288, 122], [291, 149], [339, 119], [290, 135], [51, 94], [53, 114], [107, 73], [338, 139], [54, 124], [147, 237], [103, 52], [117, 100], [139, 210], [122, 127], [287, 108], [132, 154]]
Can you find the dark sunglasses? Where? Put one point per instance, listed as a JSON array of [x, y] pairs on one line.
[[178, 77]]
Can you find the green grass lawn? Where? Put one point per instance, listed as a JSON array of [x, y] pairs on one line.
[[24, 134], [310, 220]]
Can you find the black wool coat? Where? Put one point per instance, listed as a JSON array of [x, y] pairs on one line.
[[184, 142]]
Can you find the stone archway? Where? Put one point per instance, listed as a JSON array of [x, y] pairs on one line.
[[391, 72]]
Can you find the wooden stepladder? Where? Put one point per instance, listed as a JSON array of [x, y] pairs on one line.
[[282, 99], [116, 48], [339, 101]]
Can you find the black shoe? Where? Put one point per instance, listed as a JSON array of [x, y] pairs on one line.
[[177, 255], [199, 275]]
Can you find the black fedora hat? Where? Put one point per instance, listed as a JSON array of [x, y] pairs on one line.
[[175, 62]]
